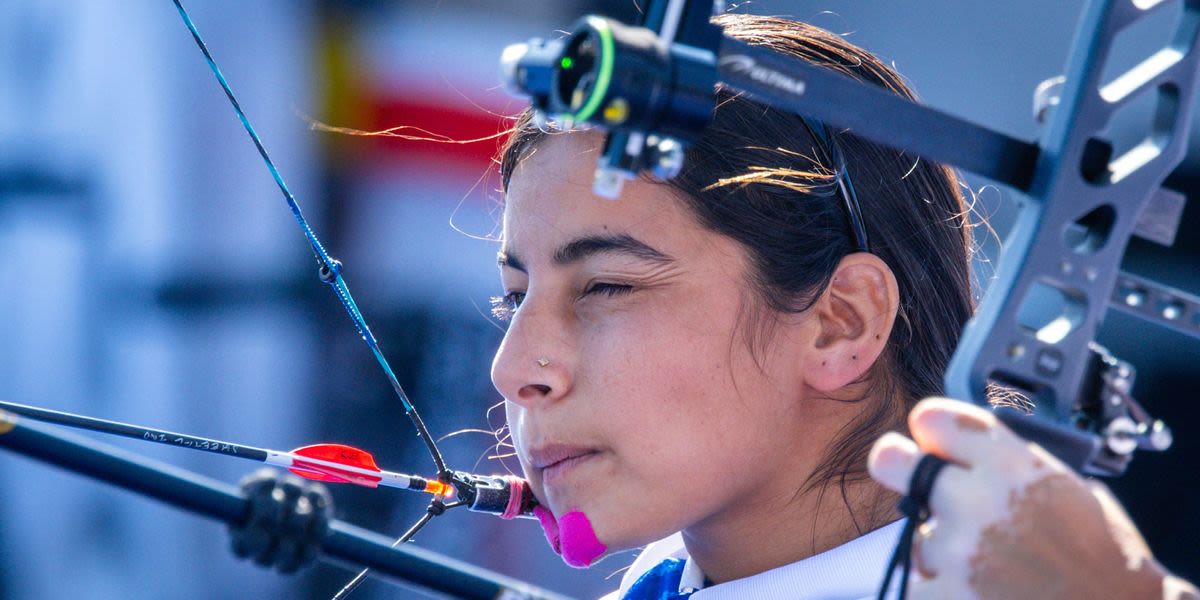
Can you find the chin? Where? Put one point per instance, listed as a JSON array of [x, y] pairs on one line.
[[625, 529]]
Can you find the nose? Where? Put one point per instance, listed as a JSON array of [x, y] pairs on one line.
[[534, 364]]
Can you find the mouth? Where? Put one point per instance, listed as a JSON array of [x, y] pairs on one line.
[[557, 461]]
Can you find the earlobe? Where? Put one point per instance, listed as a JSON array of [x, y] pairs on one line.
[[853, 319]]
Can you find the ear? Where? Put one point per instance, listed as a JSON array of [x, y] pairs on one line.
[[853, 319]]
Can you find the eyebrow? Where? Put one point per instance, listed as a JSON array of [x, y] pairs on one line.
[[508, 259], [587, 246]]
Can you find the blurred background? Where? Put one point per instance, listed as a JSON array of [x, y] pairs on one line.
[[155, 276]]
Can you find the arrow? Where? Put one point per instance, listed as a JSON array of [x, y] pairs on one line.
[[205, 497], [332, 463]]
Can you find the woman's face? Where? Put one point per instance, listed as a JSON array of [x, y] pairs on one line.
[[631, 390]]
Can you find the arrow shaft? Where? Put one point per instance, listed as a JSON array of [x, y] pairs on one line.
[[287, 460], [137, 432]]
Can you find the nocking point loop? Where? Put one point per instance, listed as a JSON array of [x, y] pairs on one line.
[[329, 271], [436, 507]]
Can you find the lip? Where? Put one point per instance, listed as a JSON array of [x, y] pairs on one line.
[[555, 461], [555, 474]]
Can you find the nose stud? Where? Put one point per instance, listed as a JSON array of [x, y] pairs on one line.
[[543, 361]]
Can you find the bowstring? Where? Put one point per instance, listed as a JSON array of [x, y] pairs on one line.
[[330, 268], [434, 510]]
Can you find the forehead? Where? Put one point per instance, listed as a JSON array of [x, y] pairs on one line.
[[550, 200]]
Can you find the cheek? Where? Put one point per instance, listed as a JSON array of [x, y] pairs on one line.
[[514, 417], [688, 390], [658, 334], [661, 378]]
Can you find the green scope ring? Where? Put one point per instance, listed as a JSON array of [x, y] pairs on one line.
[[604, 77]]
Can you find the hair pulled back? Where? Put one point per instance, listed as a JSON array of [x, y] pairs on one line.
[[754, 177]]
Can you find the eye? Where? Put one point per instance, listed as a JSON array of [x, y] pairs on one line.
[[608, 289], [504, 306]]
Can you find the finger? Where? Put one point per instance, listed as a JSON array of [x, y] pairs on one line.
[[937, 588], [892, 460], [940, 575], [920, 540], [947, 551], [959, 432]]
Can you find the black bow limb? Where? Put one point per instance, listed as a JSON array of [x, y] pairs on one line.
[[223, 502]]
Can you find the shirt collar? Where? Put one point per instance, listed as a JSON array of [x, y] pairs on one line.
[[852, 570]]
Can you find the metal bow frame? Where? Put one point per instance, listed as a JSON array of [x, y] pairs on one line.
[[1086, 199]]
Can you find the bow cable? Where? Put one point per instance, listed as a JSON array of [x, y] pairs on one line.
[[330, 268]]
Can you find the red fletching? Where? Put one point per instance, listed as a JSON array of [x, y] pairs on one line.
[[338, 453], [335, 453]]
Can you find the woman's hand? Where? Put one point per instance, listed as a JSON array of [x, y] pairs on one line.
[[1010, 520]]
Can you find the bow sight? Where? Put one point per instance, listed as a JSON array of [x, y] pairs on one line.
[[652, 89], [652, 86]]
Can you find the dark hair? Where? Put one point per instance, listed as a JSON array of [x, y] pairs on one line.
[[754, 177]]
